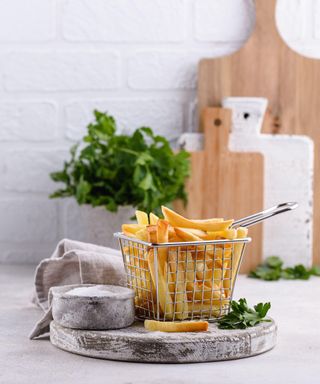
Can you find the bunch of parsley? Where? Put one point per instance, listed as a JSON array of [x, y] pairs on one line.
[[272, 269], [241, 316], [113, 170]]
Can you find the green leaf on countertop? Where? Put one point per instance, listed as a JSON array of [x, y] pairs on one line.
[[241, 316], [113, 170], [272, 269], [315, 270]]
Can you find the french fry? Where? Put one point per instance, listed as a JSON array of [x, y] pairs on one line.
[[178, 284], [142, 234], [229, 234], [210, 310], [231, 274], [142, 218], [183, 326], [173, 238], [132, 228], [241, 234], [204, 293], [184, 278], [177, 220], [162, 231], [153, 218], [197, 232], [156, 233], [129, 234], [152, 234], [186, 235], [165, 300]]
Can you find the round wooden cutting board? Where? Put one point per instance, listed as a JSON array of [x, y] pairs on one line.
[[138, 345]]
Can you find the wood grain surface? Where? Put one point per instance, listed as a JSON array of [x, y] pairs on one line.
[[226, 184], [137, 344], [267, 67]]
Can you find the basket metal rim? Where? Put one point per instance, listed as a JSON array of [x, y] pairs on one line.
[[120, 235]]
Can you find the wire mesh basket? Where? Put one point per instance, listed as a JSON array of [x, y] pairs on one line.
[[182, 280]]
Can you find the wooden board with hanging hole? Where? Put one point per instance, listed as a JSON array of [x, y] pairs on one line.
[[225, 184], [267, 67]]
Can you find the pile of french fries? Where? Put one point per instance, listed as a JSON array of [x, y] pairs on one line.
[[181, 281]]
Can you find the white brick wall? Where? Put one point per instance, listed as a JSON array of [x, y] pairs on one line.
[[60, 59]]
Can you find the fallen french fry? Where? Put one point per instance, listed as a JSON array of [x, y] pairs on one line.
[[183, 326]]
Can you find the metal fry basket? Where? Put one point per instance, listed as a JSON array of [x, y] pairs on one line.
[[182, 280]]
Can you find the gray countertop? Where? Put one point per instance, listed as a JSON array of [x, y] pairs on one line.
[[296, 358]]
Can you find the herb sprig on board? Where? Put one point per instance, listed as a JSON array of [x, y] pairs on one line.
[[113, 170], [272, 269], [241, 316]]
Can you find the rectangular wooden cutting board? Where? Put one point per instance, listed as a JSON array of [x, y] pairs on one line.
[[226, 184], [267, 67]]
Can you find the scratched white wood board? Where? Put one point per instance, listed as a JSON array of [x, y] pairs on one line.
[[137, 344], [288, 176]]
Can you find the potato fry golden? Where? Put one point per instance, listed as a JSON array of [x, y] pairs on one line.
[[159, 268], [186, 235], [153, 218], [177, 220], [183, 326], [142, 218], [178, 284], [131, 228], [142, 234], [191, 279]]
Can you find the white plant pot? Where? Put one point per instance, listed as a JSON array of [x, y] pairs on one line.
[[94, 225]]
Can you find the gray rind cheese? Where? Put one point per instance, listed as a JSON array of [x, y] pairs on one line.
[[93, 307]]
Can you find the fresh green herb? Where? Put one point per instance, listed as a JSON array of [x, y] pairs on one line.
[[315, 271], [272, 269], [115, 170], [269, 270], [298, 272], [241, 316]]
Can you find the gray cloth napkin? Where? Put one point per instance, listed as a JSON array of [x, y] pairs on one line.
[[74, 262]]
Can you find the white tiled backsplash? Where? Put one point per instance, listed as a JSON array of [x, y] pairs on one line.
[[135, 58]]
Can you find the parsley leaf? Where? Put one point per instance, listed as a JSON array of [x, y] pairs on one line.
[[269, 270], [241, 316], [113, 170], [272, 269]]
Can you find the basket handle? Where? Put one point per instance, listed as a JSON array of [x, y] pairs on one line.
[[261, 216]]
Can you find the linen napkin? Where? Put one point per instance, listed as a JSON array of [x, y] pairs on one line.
[[74, 262]]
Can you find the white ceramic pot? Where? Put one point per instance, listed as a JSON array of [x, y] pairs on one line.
[[94, 225]]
